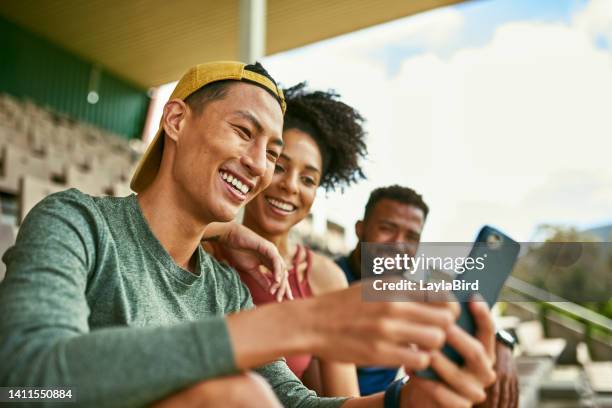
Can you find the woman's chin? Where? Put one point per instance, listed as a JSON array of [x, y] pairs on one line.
[[275, 227]]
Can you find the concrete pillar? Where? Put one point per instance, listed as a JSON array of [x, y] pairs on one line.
[[252, 30]]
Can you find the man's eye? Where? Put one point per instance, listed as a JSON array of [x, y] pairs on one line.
[[278, 169], [272, 155], [412, 238], [245, 133]]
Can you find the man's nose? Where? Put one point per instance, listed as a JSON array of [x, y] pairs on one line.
[[255, 160], [398, 239]]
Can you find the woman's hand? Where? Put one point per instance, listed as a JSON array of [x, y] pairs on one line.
[[248, 252]]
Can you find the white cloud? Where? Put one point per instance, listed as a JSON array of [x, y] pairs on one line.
[[596, 19], [428, 30], [494, 123], [488, 135]]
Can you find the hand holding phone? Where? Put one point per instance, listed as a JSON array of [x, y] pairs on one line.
[[500, 253]]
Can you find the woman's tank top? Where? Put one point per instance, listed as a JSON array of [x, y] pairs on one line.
[[302, 262]]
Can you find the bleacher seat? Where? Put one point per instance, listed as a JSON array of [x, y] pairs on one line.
[[121, 189], [32, 190], [531, 339], [16, 163], [599, 373], [52, 152], [89, 182], [7, 239]]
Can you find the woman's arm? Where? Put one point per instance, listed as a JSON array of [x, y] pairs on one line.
[[248, 252], [336, 379]]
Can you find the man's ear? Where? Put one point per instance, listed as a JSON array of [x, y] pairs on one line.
[[359, 230], [174, 116]]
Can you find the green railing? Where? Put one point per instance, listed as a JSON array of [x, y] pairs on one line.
[[547, 302]]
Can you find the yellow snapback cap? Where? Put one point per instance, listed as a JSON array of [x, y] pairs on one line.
[[194, 79]]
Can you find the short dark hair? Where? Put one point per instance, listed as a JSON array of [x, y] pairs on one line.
[[404, 195], [336, 127], [218, 90]]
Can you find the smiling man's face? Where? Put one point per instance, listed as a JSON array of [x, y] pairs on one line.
[[225, 155]]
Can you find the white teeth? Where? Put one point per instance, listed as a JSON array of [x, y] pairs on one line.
[[234, 182], [281, 205]]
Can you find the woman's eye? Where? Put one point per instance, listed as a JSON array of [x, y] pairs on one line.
[[309, 181], [278, 169]]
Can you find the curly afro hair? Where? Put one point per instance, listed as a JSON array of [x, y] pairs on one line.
[[336, 128]]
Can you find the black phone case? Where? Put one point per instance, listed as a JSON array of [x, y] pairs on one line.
[[501, 253]]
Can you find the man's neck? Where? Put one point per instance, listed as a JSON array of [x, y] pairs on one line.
[[174, 226], [354, 261]]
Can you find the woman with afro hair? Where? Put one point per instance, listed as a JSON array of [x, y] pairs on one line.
[[323, 143]]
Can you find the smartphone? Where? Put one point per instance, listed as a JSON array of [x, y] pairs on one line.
[[499, 253]]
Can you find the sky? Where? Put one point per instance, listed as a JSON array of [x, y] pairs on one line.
[[497, 111]]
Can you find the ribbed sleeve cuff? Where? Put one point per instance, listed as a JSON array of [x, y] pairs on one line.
[[215, 347]]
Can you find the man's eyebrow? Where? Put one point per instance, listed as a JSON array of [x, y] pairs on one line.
[[251, 118]]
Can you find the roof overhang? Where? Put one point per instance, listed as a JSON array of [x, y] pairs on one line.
[[151, 42]]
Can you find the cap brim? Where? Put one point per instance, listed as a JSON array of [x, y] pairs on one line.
[[149, 164]]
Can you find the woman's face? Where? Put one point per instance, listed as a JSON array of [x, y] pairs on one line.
[[289, 197]]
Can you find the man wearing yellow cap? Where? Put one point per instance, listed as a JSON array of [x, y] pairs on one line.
[[115, 299]]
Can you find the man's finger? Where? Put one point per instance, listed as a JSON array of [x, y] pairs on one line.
[[408, 333], [515, 393], [418, 312], [473, 352], [441, 394], [504, 394], [461, 382], [493, 396], [485, 327], [406, 356]]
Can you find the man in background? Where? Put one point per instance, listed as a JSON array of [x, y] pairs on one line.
[[396, 215]]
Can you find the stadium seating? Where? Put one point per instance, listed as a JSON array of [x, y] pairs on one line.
[[32, 190], [7, 238], [42, 152]]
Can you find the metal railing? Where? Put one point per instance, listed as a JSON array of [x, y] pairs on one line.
[[547, 302]]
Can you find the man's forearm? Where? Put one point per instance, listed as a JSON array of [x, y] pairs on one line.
[[371, 401], [119, 365], [269, 332]]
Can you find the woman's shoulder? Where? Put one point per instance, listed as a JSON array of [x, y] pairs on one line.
[[325, 275]]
